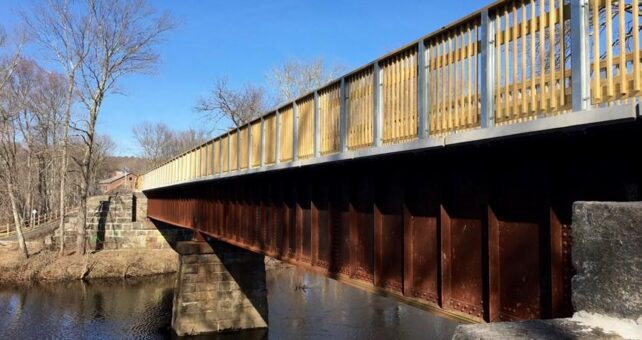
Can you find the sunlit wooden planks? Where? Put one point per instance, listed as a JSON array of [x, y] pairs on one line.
[[255, 130], [234, 150], [270, 138], [453, 77], [243, 147], [615, 59], [531, 31], [360, 109], [305, 145], [217, 156], [329, 110], [286, 116], [400, 97], [225, 154]]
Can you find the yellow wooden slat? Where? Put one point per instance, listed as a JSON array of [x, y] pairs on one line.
[[498, 70], [456, 80], [523, 53], [514, 62], [469, 104], [610, 89], [506, 64], [562, 87], [597, 87], [637, 83], [552, 41], [533, 89], [542, 59], [622, 38]]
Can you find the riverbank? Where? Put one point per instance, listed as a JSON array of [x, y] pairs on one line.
[[46, 265]]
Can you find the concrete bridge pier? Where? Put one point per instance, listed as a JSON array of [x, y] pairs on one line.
[[219, 288]]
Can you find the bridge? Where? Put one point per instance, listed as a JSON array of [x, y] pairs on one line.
[[442, 173]]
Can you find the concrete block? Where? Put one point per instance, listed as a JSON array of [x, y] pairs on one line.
[[607, 254]]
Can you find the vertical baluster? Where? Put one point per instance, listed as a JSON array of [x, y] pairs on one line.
[[562, 89], [469, 94], [552, 42], [522, 79], [542, 59], [533, 89], [597, 86], [637, 82], [624, 84], [610, 87], [514, 95], [506, 62], [498, 68]]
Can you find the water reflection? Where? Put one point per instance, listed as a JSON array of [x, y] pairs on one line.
[[302, 305]]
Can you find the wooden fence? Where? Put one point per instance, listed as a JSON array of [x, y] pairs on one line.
[[510, 62]]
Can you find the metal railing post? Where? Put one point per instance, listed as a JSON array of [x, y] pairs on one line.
[[317, 125], [295, 131], [377, 118], [580, 75], [487, 52], [343, 117], [422, 93]]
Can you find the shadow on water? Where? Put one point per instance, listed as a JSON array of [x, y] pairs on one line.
[[141, 308]]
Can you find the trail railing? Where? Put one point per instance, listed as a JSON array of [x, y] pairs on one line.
[[9, 229], [511, 62]]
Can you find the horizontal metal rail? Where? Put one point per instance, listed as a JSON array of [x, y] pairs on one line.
[[511, 63]]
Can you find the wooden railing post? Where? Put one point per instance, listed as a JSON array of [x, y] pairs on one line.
[[262, 147], [487, 52], [317, 125], [422, 91], [238, 149], [249, 146], [295, 131], [580, 75], [229, 153], [377, 118], [343, 117], [277, 158]]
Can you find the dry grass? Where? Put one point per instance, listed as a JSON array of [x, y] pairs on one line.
[[48, 265]]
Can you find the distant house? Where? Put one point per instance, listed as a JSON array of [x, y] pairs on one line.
[[123, 180]]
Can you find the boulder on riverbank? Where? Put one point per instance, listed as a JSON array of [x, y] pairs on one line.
[[48, 265]]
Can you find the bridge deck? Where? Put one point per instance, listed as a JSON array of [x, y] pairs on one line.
[[514, 67]]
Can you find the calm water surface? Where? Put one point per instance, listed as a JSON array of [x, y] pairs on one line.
[[142, 308]]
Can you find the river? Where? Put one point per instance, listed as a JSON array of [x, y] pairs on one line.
[[142, 308]]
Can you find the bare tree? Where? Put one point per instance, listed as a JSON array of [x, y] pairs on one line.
[[297, 77], [121, 39], [158, 142], [61, 28], [153, 140], [10, 109], [239, 106], [9, 144]]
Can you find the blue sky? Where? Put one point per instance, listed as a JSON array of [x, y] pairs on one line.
[[243, 39]]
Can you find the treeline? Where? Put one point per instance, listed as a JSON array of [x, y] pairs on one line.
[[50, 151]]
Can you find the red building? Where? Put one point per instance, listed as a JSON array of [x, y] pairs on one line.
[[119, 180]]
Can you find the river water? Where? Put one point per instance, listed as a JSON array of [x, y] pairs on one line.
[[142, 308]]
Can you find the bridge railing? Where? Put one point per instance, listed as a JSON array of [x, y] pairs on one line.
[[513, 61]]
